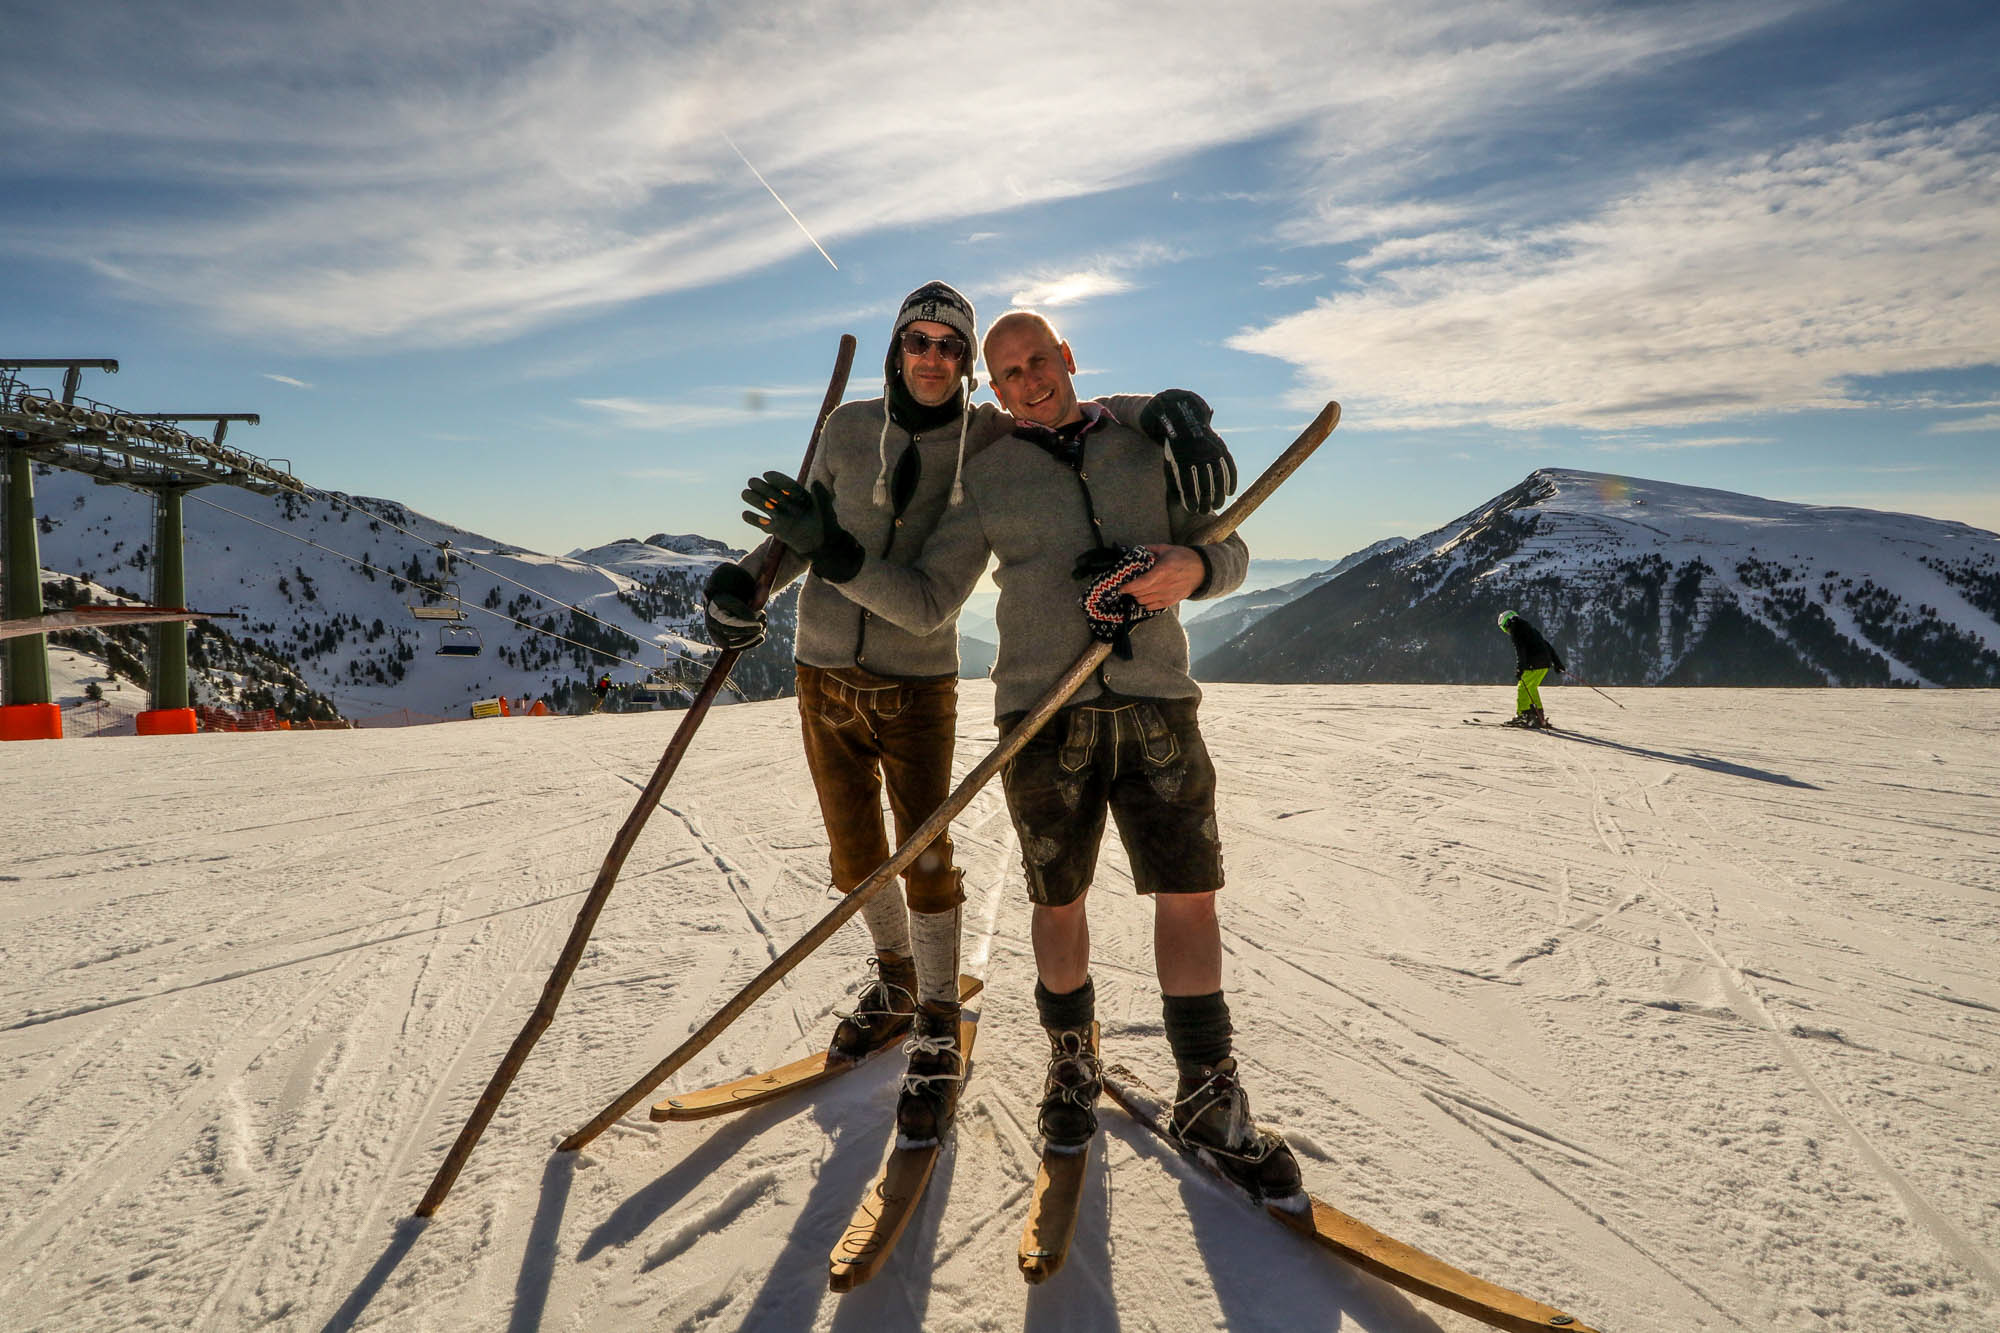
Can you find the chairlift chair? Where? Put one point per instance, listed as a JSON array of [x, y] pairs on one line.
[[458, 640], [654, 686], [449, 609]]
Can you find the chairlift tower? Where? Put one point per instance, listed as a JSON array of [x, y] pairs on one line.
[[27, 703], [146, 451]]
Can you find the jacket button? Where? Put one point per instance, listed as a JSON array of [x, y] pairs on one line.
[[899, 522]]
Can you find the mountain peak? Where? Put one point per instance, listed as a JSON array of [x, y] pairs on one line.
[[1651, 582]]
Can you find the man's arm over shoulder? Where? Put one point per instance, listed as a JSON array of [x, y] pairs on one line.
[[1125, 408], [921, 597]]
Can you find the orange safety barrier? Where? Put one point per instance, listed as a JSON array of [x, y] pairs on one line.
[[167, 722], [224, 719], [30, 722]]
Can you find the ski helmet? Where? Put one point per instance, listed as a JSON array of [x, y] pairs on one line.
[[1506, 616]]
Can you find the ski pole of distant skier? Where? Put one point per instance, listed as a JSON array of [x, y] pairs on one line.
[[1587, 685], [1058, 694], [621, 846]]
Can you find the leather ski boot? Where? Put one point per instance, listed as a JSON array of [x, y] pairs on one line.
[[1068, 1118], [881, 1011], [1211, 1116], [928, 1098]]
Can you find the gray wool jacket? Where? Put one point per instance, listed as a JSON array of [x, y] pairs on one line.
[[1031, 511], [833, 631]]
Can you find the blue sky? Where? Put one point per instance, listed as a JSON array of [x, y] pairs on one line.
[[502, 261]]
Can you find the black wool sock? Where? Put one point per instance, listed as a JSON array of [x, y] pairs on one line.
[[1074, 1010], [1198, 1029]]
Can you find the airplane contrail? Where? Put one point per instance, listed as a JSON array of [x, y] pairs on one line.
[[781, 203]]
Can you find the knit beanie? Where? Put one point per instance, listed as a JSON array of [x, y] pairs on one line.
[[939, 303]]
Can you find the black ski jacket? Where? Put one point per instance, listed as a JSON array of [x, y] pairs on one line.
[[1531, 650]]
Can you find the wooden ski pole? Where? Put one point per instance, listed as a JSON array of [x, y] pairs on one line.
[[1058, 694], [621, 846]]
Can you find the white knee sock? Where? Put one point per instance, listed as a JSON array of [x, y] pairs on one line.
[[888, 922], [935, 935]]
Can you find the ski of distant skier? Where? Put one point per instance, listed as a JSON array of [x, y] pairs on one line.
[[753, 1090], [1511, 726], [1360, 1244]]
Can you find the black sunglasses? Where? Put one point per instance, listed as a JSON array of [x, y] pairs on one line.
[[951, 347]]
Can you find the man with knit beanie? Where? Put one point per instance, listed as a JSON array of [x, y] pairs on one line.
[[878, 703], [1074, 495]]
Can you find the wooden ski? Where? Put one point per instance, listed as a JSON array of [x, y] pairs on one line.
[[1363, 1246], [1053, 1207], [757, 1089], [892, 1200]]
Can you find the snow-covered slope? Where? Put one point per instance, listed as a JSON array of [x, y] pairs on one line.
[[1643, 581], [1213, 624], [330, 583], [1687, 1021]]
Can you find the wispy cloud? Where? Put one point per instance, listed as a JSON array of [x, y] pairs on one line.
[[1689, 442], [1103, 274], [1069, 289], [1967, 425], [658, 415], [1719, 290], [380, 177], [286, 379]]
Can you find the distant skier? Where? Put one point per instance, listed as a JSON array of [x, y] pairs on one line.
[[603, 688], [1533, 659]]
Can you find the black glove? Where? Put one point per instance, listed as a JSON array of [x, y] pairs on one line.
[[1561, 670], [804, 521], [732, 623], [1177, 420], [788, 511]]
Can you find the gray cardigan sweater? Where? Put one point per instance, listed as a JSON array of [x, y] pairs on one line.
[[833, 631], [1029, 509]]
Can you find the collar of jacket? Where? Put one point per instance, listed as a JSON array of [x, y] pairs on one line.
[[913, 416], [1065, 443]]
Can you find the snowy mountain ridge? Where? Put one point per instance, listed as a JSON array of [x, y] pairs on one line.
[[1647, 582], [1216, 623], [329, 583]]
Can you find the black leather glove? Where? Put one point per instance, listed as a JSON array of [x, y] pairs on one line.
[[732, 622], [1177, 420], [804, 521]]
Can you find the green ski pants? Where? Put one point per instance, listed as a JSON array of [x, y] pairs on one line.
[[1528, 691]]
